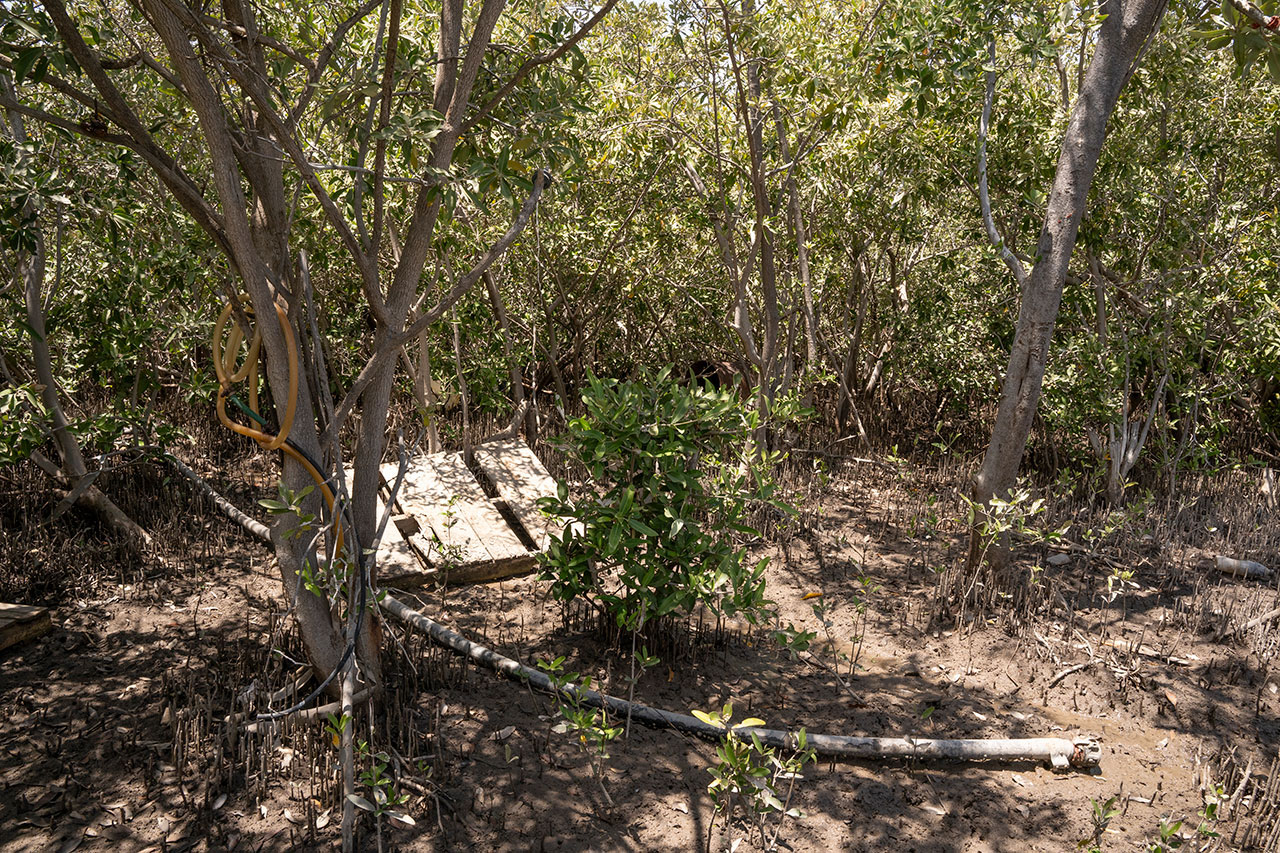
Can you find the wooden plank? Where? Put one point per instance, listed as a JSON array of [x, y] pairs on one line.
[[21, 611], [22, 622], [446, 532], [468, 500], [520, 479], [447, 509], [398, 562], [463, 536]]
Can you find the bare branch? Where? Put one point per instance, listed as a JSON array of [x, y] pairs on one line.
[[393, 341], [534, 62], [257, 36], [1255, 15], [326, 55], [447, 54], [476, 47], [984, 197], [66, 123], [285, 138], [384, 118], [182, 187], [426, 208]]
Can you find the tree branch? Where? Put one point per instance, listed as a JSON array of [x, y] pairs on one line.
[[1255, 15], [168, 170], [258, 37], [326, 54], [534, 62], [984, 198], [285, 138], [394, 341], [384, 118]]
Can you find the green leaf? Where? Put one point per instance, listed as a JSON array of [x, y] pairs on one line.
[[708, 719], [26, 59], [641, 527]]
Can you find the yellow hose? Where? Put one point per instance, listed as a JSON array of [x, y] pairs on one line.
[[225, 353]]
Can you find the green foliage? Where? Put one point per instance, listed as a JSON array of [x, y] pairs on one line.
[[324, 580], [590, 726], [1168, 837], [383, 800], [749, 774], [21, 417], [672, 483], [1009, 518], [877, 105], [1252, 43], [1102, 815]]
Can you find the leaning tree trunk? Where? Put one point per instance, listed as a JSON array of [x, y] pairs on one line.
[[1126, 29], [72, 473]]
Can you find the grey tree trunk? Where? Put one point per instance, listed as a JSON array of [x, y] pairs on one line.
[[1127, 27], [71, 474]]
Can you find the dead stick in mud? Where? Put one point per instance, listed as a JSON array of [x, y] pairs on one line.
[[1133, 648], [1069, 670], [1251, 624], [1260, 620], [1061, 753], [303, 715]]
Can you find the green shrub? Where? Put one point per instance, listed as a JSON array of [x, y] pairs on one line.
[[673, 482]]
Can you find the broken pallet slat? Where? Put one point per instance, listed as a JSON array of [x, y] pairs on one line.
[[520, 479], [21, 622], [453, 529], [424, 497], [471, 541], [397, 560], [399, 563], [470, 501]]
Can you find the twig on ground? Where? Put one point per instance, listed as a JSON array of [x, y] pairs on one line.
[[1069, 670]]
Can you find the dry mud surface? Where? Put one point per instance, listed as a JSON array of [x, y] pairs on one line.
[[112, 733]]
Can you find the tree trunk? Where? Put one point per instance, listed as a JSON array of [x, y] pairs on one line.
[[31, 269], [253, 250], [1124, 31], [508, 351]]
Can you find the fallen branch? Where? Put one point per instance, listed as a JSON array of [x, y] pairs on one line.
[[1069, 670], [1242, 568], [1081, 752], [92, 498], [1130, 647], [1250, 625], [306, 714], [1061, 754]]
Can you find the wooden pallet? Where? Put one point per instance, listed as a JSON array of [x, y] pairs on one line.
[[446, 528], [21, 622]]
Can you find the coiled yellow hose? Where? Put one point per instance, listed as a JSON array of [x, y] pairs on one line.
[[226, 349]]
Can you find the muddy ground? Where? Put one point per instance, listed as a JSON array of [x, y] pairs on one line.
[[113, 733]]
